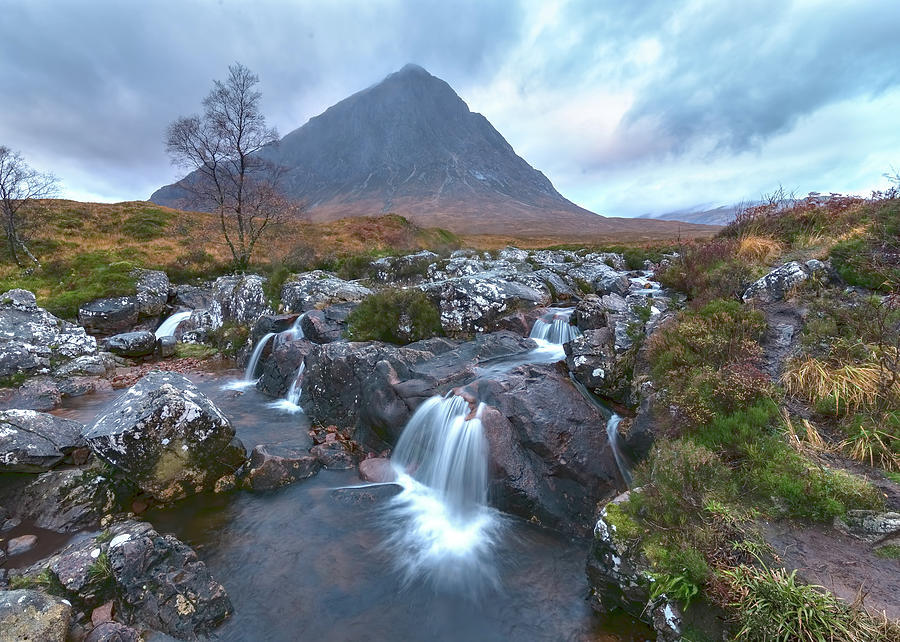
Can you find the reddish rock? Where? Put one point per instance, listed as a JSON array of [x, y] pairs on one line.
[[103, 613], [376, 470], [274, 466], [21, 544]]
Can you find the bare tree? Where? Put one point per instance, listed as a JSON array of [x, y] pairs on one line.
[[19, 185], [230, 176]]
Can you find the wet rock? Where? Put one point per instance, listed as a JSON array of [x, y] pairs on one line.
[[101, 364], [66, 501], [109, 316], [167, 437], [275, 323], [310, 290], [333, 455], [550, 458], [132, 344], [103, 613], [593, 361], [21, 544], [31, 339], [152, 287], [374, 387], [777, 283], [590, 313], [619, 577], [377, 470], [113, 632], [31, 615], [192, 297], [327, 325], [521, 322], [273, 466], [475, 303], [279, 369], [165, 346], [162, 584], [34, 441], [868, 525], [39, 393]]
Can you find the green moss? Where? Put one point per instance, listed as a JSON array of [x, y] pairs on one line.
[[395, 316], [894, 477], [13, 381], [194, 351], [625, 526], [889, 552]]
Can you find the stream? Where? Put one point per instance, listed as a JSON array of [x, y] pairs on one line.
[[311, 560]]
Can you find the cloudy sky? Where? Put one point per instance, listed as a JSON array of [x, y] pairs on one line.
[[628, 107]]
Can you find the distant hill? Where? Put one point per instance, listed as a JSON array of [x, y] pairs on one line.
[[410, 145], [722, 215]]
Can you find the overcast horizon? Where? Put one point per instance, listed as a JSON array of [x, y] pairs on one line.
[[627, 109]]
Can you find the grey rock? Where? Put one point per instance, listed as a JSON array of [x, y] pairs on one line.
[[66, 501], [31, 615], [777, 283], [167, 437], [152, 288], [21, 544], [34, 441], [870, 526], [41, 393], [113, 632], [239, 299], [310, 290], [550, 458], [377, 470], [279, 369], [92, 365], [328, 324], [333, 455], [593, 360], [192, 297], [403, 269], [109, 316], [165, 346], [132, 344]]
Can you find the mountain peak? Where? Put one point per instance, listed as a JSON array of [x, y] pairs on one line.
[[412, 68]]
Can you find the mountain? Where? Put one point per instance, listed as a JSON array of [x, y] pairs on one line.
[[411, 146], [722, 215]]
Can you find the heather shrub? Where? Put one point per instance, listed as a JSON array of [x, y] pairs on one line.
[[396, 316]]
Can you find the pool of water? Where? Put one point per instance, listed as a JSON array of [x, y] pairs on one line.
[[309, 561]]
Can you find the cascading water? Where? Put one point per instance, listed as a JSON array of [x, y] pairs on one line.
[[291, 402], [250, 372], [168, 327], [551, 332], [443, 531], [296, 330], [612, 433], [554, 327]]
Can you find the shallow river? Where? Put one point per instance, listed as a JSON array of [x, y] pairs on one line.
[[307, 561]]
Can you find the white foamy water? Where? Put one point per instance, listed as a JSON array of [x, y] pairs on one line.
[[612, 433], [250, 377], [551, 332], [168, 327], [291, 402], [443, 531]]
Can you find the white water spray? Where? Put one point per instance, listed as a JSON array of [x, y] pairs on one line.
[[443, 530], [612, 433], [168, 327], [291, 402], [250, 378]]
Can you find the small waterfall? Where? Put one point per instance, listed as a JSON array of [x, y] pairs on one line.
[[250, 373], [612, 433], [168, 327], [296, 331], [554, 327], [443, 529], [291, 402]]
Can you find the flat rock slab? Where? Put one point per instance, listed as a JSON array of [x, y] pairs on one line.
[[275, 466], [33, 441]]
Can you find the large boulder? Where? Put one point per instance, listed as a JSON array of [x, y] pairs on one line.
[[475, 303], [167, 437], [239, 299], [110, 315], [34, 441], [400, 269], [27, 615], [272, 466], [152, 291], [32, 340], [775, 285], [311, 290], [550, 457], [132, 344], [328, 324], [374, 387]]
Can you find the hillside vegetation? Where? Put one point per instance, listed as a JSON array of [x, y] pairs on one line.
[[740, 446]]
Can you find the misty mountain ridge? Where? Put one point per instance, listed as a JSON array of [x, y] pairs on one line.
[[411, 146]]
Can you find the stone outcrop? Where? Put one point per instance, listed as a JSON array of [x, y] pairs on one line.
[[550, 458], [32, 615], [33, 341], [316, 289], [775, 285], [167, 437], [69, 500], [34, 441], [240, 299]]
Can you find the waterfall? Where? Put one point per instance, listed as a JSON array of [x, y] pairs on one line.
[[554, 327], [442, 528], [291, 402], [296, 330], [250, 373], [612, 433], [168, 327]]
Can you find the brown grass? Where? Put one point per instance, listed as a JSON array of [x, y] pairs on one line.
[[852, 387], [759, 249]]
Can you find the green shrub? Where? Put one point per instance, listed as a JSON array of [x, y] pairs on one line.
[[229, 338], [396, 316]]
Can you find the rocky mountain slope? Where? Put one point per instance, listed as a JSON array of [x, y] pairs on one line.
[[411, 146]]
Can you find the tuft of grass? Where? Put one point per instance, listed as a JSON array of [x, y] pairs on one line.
[[194, 351], [758, 249], [850, 387], [771, 604], [890, 552]]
